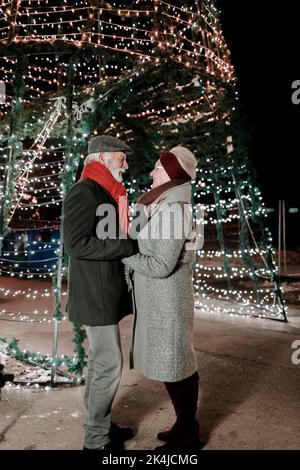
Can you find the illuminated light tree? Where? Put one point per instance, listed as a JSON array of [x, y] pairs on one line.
[[156, 74]]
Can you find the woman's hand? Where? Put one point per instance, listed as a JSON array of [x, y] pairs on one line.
[[127, 261]]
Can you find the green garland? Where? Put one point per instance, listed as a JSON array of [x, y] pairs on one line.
[[79, 337], [57, 313], [74, 365]]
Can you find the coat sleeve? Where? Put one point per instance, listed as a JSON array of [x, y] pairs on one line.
[[80, 242], [165, 251]]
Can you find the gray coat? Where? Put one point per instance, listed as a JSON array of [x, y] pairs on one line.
[[163, 292], [97, 289]]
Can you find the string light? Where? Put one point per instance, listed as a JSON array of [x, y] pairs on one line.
[[117, 43]]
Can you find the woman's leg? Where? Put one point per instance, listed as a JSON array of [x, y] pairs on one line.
[[184, 396]]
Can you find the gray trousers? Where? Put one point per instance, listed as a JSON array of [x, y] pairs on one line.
[[104, 372]]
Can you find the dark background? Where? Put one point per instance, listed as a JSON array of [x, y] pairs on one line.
[[264, 41]]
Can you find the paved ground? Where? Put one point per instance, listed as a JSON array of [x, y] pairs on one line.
[[249, 391]]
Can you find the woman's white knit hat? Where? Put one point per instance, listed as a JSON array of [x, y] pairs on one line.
[[187, 160]]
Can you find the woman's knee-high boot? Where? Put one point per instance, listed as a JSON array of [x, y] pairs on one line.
[[184, 396]]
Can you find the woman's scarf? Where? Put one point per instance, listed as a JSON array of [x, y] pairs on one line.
[[142, 213], [153, 194]]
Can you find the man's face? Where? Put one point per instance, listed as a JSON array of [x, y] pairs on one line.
[[116, 163]]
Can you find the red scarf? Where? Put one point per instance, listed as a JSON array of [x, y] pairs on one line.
[[98, 172]]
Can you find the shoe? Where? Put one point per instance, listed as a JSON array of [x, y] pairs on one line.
[[186, 430], [118, 433], [193, 446], [170, 434], [110, 447]]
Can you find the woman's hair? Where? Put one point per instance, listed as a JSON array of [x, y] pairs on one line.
[[186, 159]]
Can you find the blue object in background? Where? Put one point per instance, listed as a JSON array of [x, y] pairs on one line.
[[35, 250]]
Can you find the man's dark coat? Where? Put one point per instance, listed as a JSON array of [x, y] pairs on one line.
[[97, 289]]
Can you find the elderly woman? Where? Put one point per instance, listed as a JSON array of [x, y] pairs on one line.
[[163, 292]]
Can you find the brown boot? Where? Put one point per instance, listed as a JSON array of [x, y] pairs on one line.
[[170, 433], [187, 438], [185, 431]]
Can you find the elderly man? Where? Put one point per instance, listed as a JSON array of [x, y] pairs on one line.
[[97, 291]]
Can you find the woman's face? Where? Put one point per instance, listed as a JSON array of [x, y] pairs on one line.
[[159, 175]]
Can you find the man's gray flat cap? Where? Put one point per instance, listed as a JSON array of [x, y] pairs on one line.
[[107, 143]]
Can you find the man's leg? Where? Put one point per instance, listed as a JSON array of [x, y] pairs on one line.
[[106, 362], [89, 378]]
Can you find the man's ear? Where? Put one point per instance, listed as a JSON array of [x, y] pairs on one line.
[[101, 157]]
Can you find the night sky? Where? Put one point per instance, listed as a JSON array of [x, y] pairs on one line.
[[264, 43]]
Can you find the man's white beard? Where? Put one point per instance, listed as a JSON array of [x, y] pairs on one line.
[[117, 173]]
